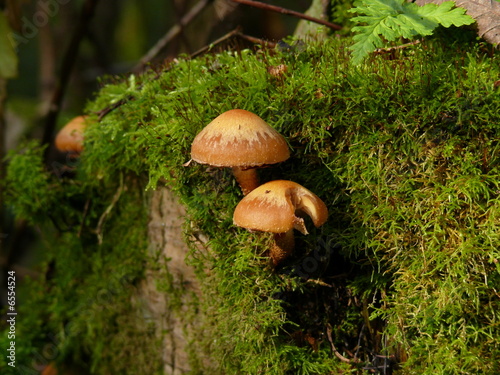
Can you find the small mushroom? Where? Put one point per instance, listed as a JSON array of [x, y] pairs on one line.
[[273, 207], [242, 141], [70, 137]]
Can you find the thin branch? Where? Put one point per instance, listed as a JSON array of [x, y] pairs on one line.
[[234, 33], [108, 210], [222, 39], [390, 49], [112, 107], [171, 34], [273, 8], [67, 65], [334, 349], [257, 40]]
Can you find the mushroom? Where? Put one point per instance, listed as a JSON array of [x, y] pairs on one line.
[[273, 207], [242, 141], [70, 137]]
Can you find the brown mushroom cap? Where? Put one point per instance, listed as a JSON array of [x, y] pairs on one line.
[[272, 206], [70, 137], [239, 138]]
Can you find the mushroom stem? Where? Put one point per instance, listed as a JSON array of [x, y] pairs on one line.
[[247, 179], [282, 247]]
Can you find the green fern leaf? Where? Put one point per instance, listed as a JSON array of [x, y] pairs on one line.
[[397, 18], [444, 14]]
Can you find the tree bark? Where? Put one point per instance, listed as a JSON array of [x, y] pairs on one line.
[[169, 311]]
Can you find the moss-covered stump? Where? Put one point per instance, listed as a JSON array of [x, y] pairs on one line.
[[403, 278]]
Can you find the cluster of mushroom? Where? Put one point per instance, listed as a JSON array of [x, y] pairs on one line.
[[241, 140]]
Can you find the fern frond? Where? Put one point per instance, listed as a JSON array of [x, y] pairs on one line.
[[444, 14], [388, 20]]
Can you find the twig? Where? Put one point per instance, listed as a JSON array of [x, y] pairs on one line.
[[112, 107], [68, 62], [335, 351], [273, 8], [257, 40], [318, 282], [171, 34], [234, 33], [223, 38], [106, 212], [390, 49]]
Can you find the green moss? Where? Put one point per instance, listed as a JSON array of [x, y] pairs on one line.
[[29, 184], [403, 150]]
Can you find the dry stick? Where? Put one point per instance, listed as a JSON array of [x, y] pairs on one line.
[[257, 40], [68, 62], [105, 111], [171, 34], [334, 349], [234, 33], [273, 8], [390, 49], [223, 38]]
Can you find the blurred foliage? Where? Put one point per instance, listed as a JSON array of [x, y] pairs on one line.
[[403, 277], [8, 57], [29, 182]]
